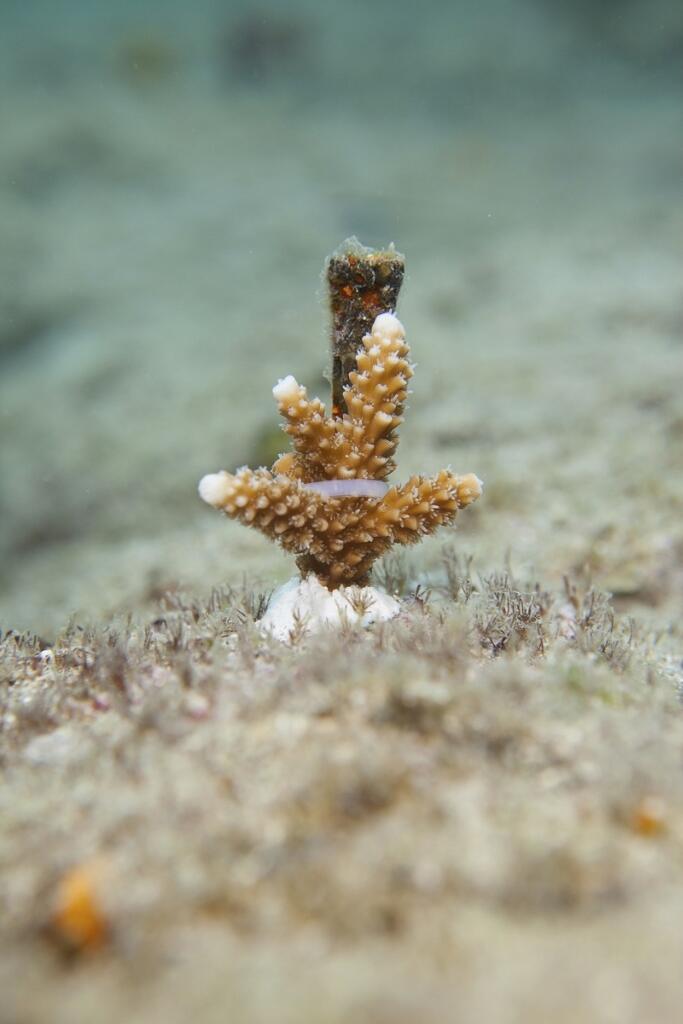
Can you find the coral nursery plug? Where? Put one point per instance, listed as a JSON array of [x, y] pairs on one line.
[[327, 501]]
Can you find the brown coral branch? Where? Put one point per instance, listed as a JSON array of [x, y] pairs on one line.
[[313, 435], [375, 398], [423, 504], [360, 443]]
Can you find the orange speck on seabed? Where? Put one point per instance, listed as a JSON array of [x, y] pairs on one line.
[[649, 816], [78, 918]]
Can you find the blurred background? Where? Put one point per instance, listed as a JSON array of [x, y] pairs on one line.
[[172, 177]]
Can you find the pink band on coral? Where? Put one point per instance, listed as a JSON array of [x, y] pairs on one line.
[[349, 488]]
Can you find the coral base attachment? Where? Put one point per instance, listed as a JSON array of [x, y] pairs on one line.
[[305, 606]]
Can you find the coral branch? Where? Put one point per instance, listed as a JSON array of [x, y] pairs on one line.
[[422, 505], [278, 506], [375, 398], [312, 434]]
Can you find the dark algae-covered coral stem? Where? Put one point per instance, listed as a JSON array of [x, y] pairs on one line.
[[363, 283]]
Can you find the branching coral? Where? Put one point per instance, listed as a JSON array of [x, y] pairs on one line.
[[326, 500]]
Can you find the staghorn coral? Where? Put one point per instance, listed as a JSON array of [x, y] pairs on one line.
[[326, 500]]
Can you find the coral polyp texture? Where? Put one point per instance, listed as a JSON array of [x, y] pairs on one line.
[[326, 501]]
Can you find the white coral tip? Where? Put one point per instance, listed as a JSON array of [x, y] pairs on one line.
[[286, 390], [214, 487], [472, 486], [388, 325]]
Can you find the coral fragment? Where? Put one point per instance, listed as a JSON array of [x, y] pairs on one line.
[[336, 532]]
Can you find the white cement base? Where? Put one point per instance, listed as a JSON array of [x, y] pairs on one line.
[[309, 605]]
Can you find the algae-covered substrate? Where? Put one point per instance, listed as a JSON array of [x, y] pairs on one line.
[[473, 812]]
